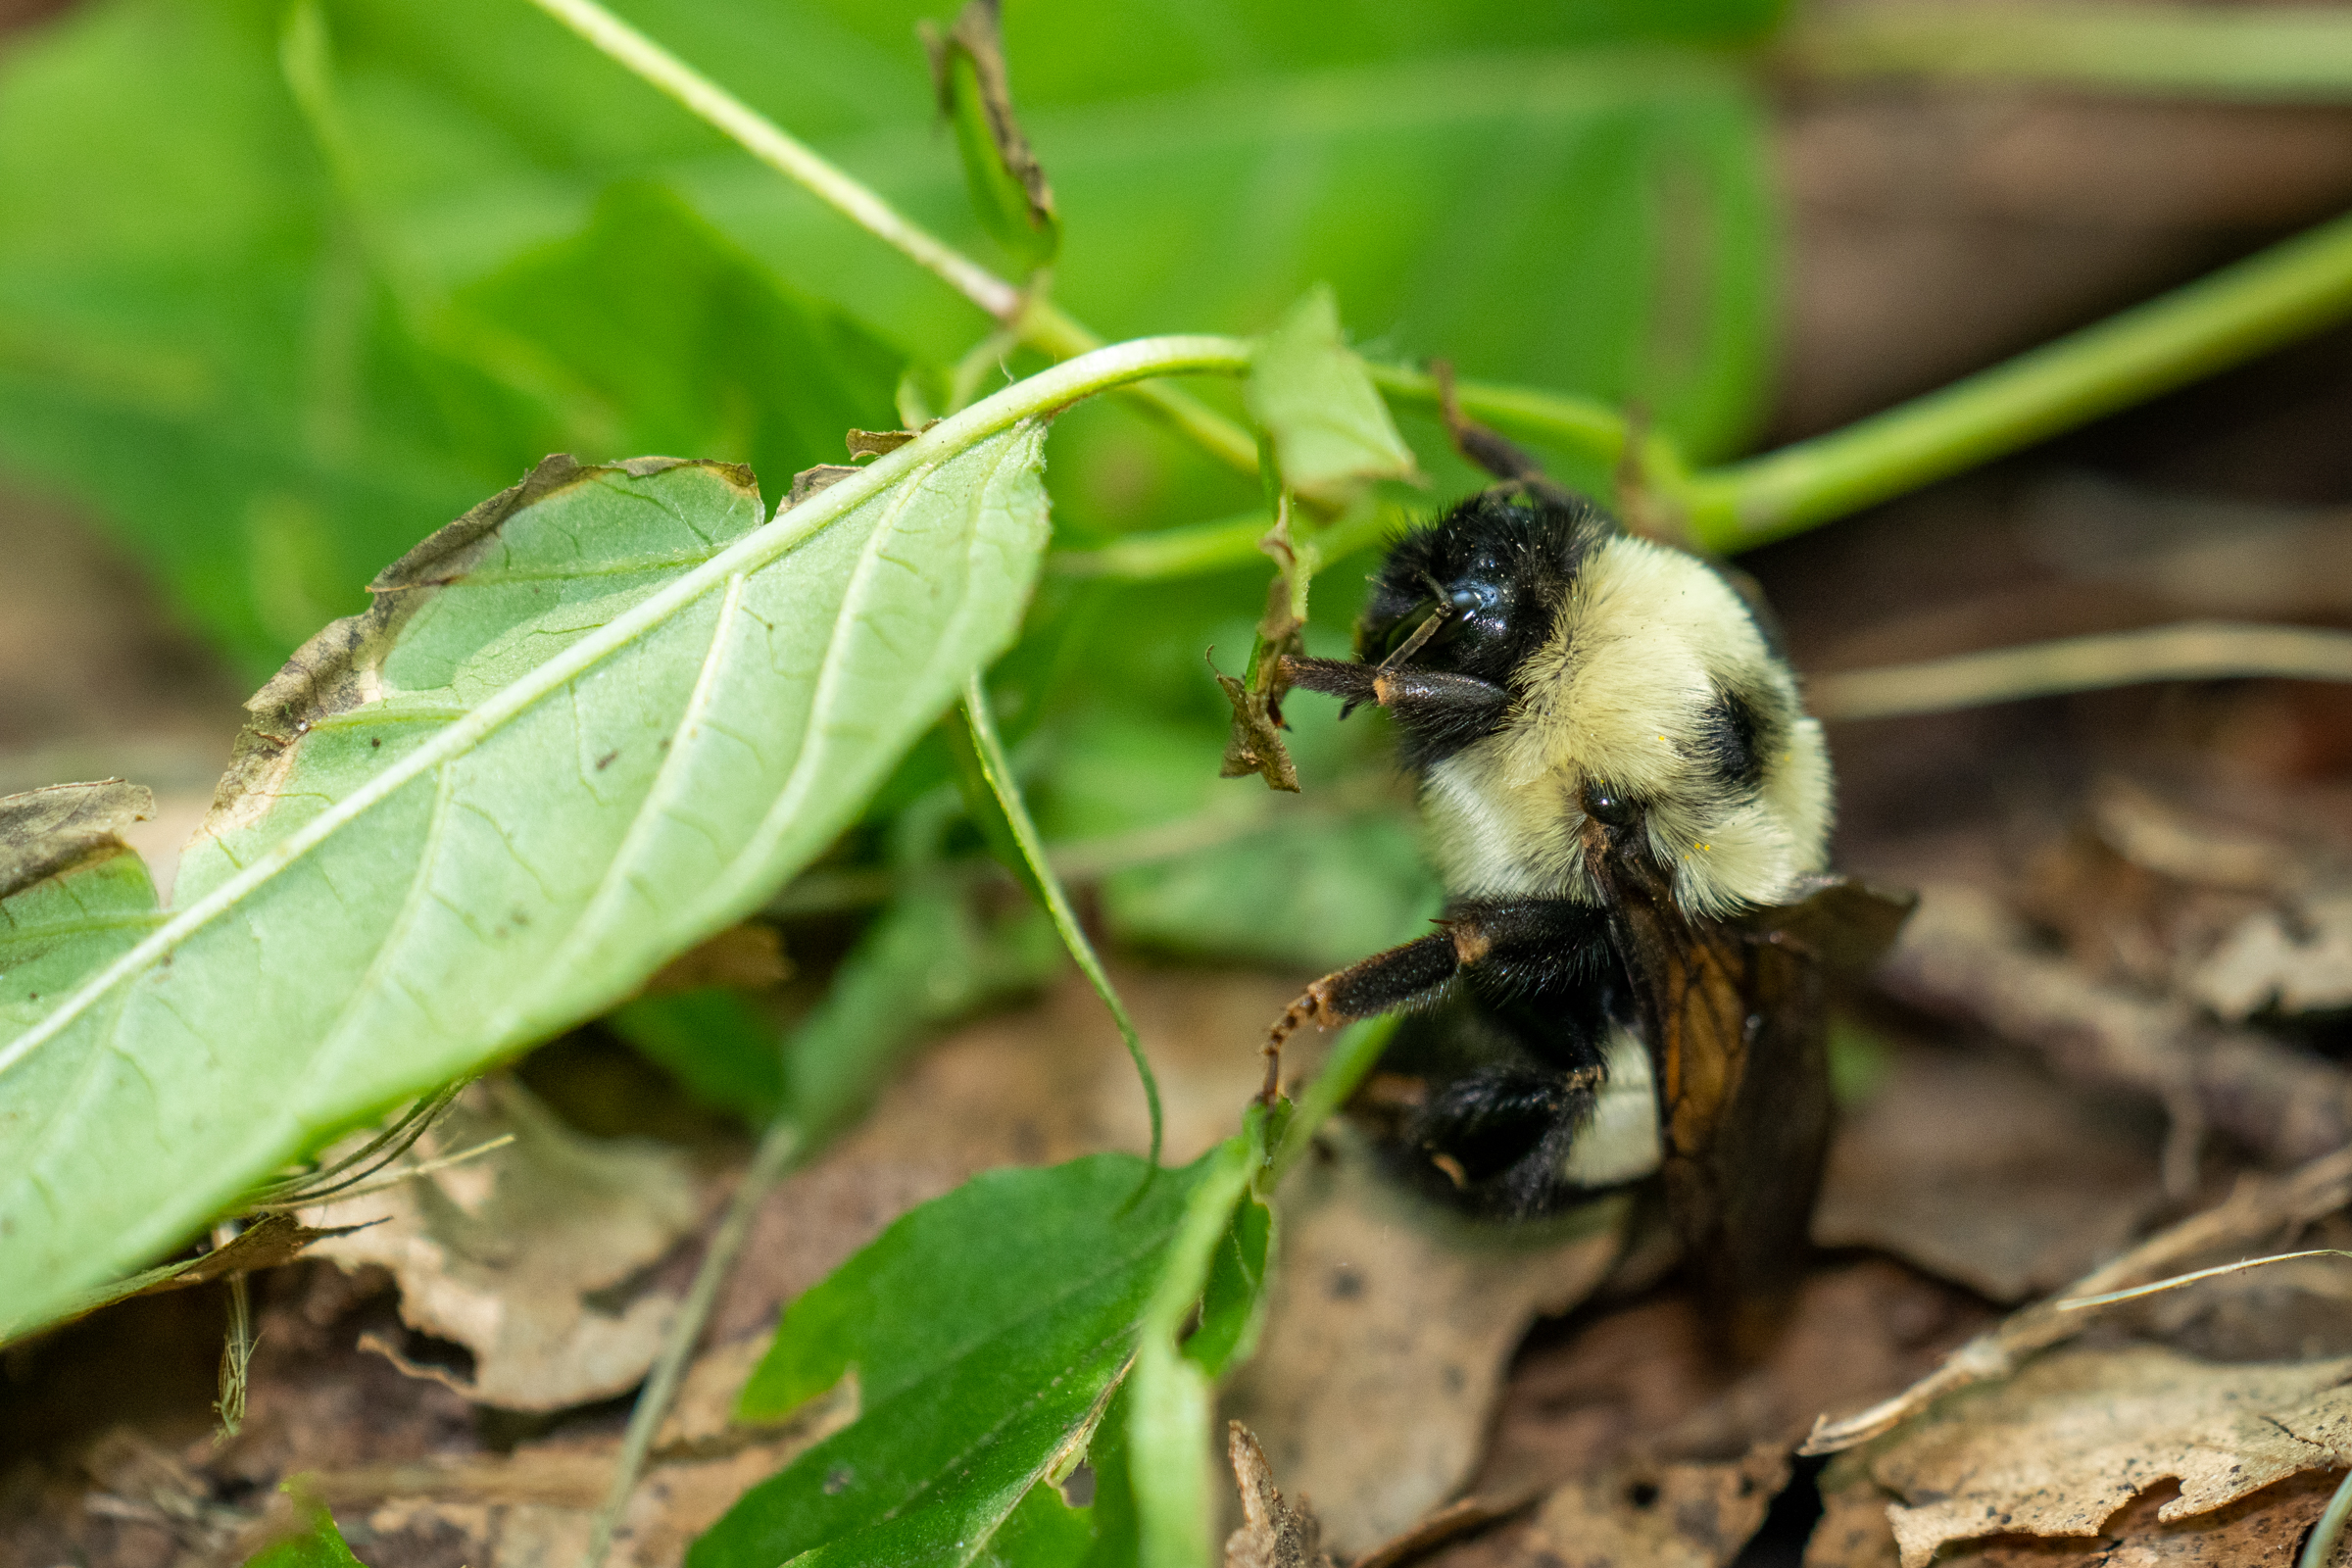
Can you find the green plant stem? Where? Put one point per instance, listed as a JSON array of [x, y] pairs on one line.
[[2257, 53], [2291, 289], [1351, 1056], [1560, 419], [2321, 1547], [1039, 325], [784, 152], [1007, 791], [1226, 544], [1045, 328], [779, 1149]]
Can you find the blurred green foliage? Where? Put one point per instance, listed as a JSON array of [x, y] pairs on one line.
[[286, 283]]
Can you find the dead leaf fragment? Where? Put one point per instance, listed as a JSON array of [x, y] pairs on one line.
[[530, 1256], [2064, 1444], [45, 831], [2300, 964], [1256, 745], [1386, 1341], [1646, 1515], [1274, 1534], [1947, 1167], [2263, 1531]]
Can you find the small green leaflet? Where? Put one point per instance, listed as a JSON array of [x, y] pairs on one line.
[[1330, 430], [596, 719]]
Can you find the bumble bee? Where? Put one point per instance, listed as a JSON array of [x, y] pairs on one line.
[[1630, 811]]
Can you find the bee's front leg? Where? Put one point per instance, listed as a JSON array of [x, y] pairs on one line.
[[1437, 709], [1386, 981], [1527, 943]]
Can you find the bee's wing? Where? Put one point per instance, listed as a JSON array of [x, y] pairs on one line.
[[1736, 1023]]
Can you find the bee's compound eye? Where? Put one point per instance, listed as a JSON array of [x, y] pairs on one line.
[[1609, 807]]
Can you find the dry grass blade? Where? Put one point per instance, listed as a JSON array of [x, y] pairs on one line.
[[2197, 650]]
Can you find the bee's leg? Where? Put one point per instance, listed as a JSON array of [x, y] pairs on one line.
[[1381, 983], [1487, 448], [1438, 712], [1521, 942]]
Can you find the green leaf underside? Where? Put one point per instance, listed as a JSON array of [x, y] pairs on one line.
[[985, 1330], [511, 805], [1330, 427]]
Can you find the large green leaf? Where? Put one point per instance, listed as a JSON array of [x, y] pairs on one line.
[[598, 719], [986, 1330]]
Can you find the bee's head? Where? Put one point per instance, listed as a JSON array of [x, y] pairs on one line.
[[1651, 720]]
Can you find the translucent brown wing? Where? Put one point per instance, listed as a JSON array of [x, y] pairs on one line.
[[1736, 1016]]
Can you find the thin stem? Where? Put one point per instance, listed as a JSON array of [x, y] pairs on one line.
[[784, 152], [1049, 330], [1559, 420], [2291, 289], [2203, 650], [1001, 783], [2257, 53], [1226, 544], [1350, 1060], [1039, 324], [778, 1149], [2321, 1547]]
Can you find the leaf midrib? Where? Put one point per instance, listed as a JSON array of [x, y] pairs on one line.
[[786, 531]]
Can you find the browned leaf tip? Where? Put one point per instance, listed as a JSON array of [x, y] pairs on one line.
[[1274, 1534], [808, 481], [978, 36], [45, 831], [877, 443]]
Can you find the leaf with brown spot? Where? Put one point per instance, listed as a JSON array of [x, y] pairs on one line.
[[591, 724]]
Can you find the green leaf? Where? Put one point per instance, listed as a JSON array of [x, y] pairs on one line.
[[596, 719], [985, 1329], [1330, 430], [1321, 893], [927, 958], [1170, 1399], [317, 1544], [1233, 1299], [1010, 192], [722, 1052]]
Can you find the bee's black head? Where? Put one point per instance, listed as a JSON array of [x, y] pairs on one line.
[[1492, 573]]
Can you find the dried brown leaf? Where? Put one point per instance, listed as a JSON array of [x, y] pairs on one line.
[[1274, 1534], [1948, 1167], [530, 1256], [2064, 1444], [1386, 1341], [1652, 1515], [2258, 1211], [1256, 745]]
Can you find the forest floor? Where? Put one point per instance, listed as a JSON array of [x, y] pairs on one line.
[[2117, 1028]]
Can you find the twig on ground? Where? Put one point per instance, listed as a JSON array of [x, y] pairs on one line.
[[2195, 650], [776, 1153], [2259, 1210], [1963, 956]]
